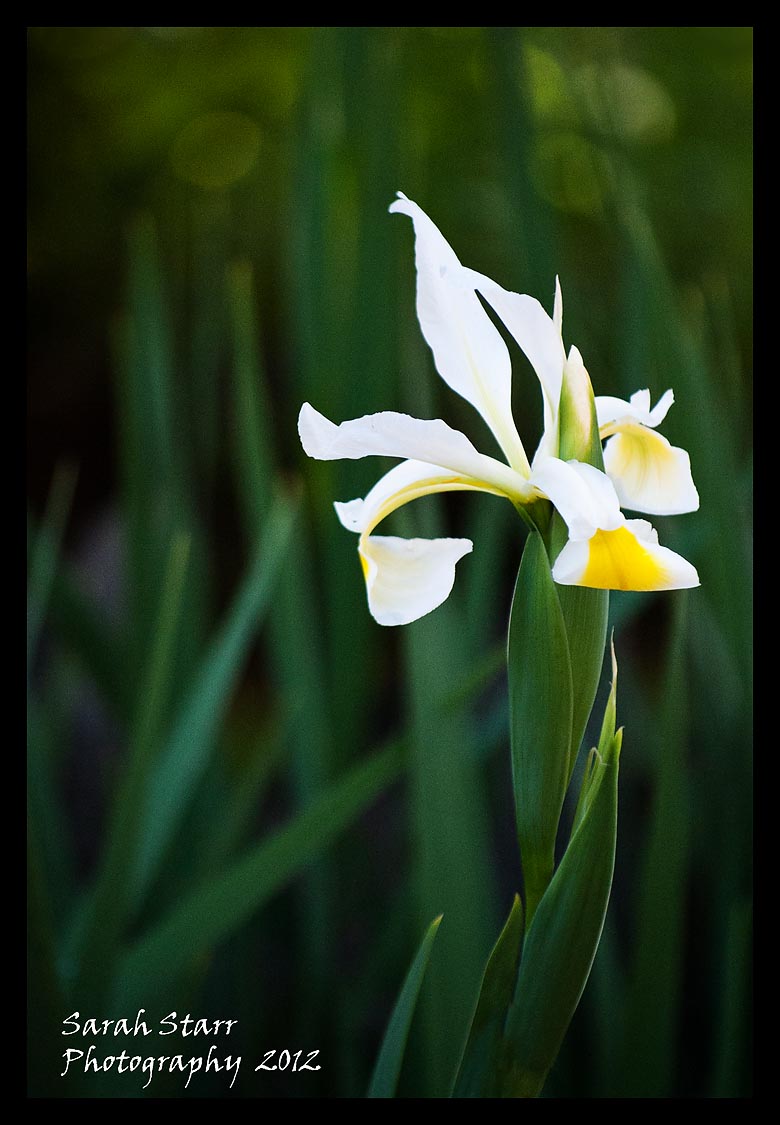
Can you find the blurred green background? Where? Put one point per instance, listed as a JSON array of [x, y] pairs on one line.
[[246, 799]]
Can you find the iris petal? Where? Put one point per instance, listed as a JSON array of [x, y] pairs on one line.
[[408, 578], [625, 558], [539, 337], [390, 434], [468, 350], [649, 474]]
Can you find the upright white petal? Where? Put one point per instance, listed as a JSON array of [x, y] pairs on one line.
[[617, 412], [539, 337], [649, 474], [407, 578], [468, 350], [558, 307], [584, 496], [390, 434]]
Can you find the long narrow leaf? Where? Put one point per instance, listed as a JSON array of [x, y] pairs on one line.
[[192, 737], [215, 910], [111, 897], [391, 1054], [45, 555], [540, 702], [479, 1069], [561, 943]]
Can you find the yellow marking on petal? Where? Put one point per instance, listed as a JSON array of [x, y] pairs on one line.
[[428, 487], [640, 455], [364, 565], [619, 561]]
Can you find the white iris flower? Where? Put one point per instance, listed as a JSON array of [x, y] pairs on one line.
[[407, 578]]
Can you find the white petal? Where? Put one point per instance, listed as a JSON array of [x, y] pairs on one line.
[[661, 408], [584, 496], [558, 307], [390, 434], [407, 578], [625, 558], [649, 474], [468, 350], [403, 483], [539, 338], [617, 412]]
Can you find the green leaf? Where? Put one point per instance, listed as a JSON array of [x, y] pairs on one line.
[[453, 869], [111, 899], [45, 555], [540, 703], [215, 910], [45, 1004], [585, 611], [561, 943], [656, 976], [388, 1064], [592, 771], [479, 1067], [253, 445], [193, 734]]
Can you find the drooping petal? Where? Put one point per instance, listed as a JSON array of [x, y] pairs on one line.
[[649, 474], [624, 558], [390, 434], [408, 578], [468, 350], [539, 337], [399, 486], [405, 578], [584, 496]]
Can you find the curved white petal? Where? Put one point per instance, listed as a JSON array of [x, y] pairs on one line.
[[558, 307], [390, 434], [584, 496], [403, 483], [616, 412], [649, 474], [625, 558], [407, 578], [468, 350], [539, 337]]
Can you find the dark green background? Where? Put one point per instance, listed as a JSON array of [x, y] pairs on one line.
[[209, 246]]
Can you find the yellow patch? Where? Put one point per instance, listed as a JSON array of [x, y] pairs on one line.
[[427, 488], [364, 565], [619, 561]]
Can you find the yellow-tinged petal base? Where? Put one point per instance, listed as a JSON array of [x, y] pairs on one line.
[[617, 560]]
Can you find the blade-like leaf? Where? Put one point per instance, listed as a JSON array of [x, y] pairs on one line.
[[216, 909], [540, 702], [388, 1064], [193, 733], [479, 1067], [585, 613], [561, 943], [655, 994], [45, 553], [108, 909]]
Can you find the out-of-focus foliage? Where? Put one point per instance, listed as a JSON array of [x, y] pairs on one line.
[[245, 798]]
